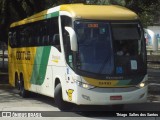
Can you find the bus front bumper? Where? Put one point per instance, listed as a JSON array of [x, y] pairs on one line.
[[93, 97]]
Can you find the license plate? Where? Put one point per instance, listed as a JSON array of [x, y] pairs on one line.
[[119, 97]]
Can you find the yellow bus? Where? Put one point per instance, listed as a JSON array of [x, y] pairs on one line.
[[80, 54]]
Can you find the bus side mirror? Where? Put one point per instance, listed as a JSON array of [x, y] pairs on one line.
[[73, 38]]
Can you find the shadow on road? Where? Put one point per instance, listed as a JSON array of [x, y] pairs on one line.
[[10, 94]]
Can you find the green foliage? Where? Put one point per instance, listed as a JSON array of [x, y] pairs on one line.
[[106, 2], [14, 10], [148, 10], [99, 2]]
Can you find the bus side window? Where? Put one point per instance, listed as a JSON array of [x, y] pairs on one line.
[[40, 37], [22, 37], [36, 34], [53, 33], [51, 40], [45, 34], [10, 37], [27, 37], [67, 21], [56, 41], [31, 34], [45, 40], [18, 41], [14, 39]]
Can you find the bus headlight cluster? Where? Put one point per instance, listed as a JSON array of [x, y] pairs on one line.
[[84, 85], [142, 84]]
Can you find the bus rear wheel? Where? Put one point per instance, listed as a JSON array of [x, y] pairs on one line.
[[23, 92], [61, 104], [17, 82]]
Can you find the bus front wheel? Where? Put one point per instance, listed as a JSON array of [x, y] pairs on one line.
[[61, 104]]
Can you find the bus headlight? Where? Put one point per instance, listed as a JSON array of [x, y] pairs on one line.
[[84, 85], [142, 84]]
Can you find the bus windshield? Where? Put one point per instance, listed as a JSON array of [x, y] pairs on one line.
[[110, 48], [126, 38], [95, 47]]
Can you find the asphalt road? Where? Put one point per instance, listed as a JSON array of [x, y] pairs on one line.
[[11, 101]]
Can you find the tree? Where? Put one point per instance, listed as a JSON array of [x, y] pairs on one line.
[[14, 10], [3, 19], [146, 9]]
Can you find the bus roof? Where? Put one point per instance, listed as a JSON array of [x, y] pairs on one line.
[[99, 12], [82, 11]]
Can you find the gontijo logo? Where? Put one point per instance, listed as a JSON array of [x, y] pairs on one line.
[[23, 55]]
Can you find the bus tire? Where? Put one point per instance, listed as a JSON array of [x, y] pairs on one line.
[[23, 92], [61, 104], [17, 83]]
